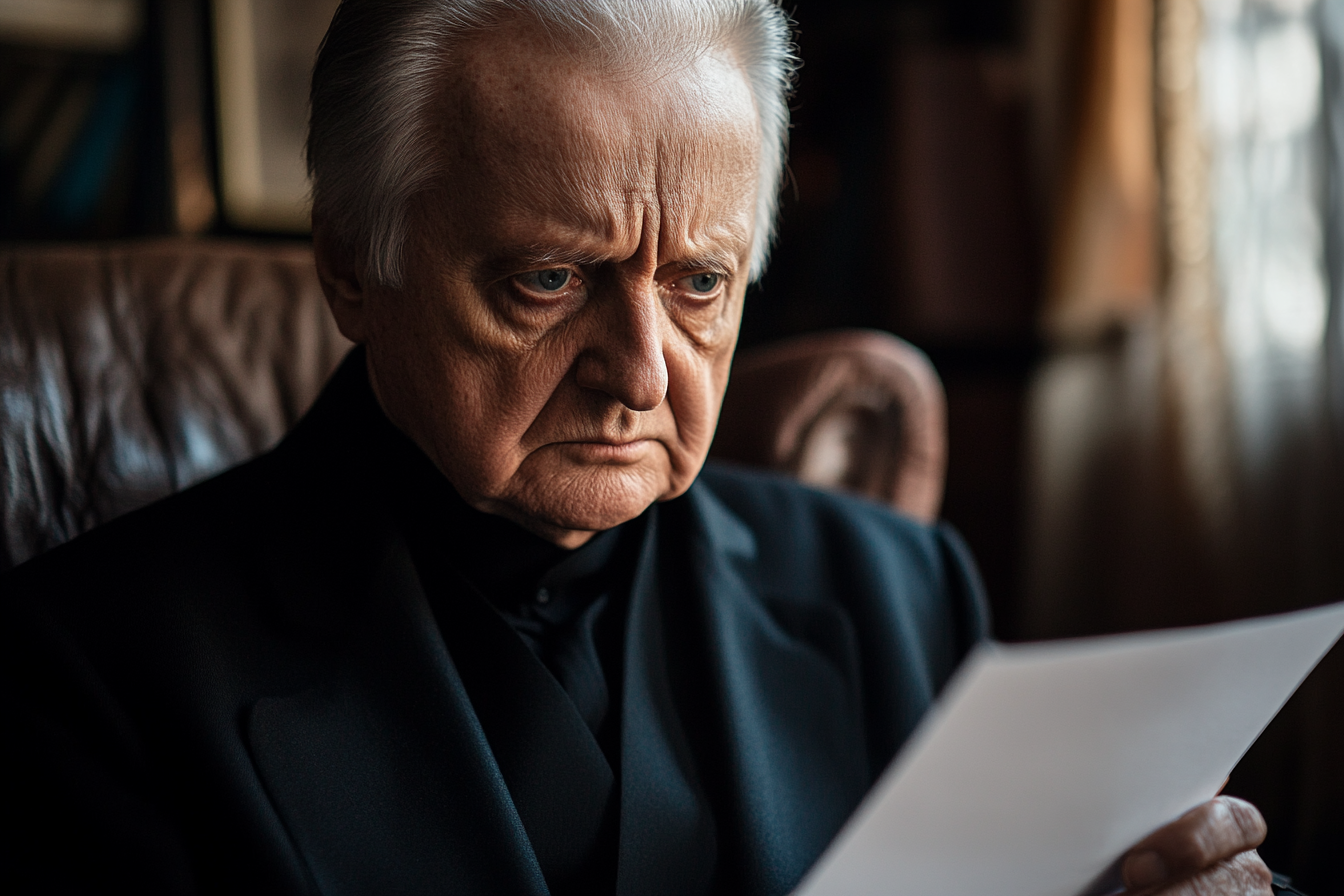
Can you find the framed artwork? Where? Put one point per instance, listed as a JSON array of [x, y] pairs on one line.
[[264, 52], [100, 26]]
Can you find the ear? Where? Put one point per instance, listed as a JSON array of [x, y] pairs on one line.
[[343, 282]]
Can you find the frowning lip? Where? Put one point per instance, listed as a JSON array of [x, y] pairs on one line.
[[607, 451]]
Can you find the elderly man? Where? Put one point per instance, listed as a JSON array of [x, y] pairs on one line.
[[480, 624]]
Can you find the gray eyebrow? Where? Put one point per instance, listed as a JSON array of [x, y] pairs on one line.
[[517, 259], [718, 261]]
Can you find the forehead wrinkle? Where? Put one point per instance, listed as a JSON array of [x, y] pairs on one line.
[[723, 247], [644, 160], [693, 218], [722, 147], [594, 212], [539, 177]]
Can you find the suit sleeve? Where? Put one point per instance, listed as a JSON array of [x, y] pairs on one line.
[[965, 590], [78, 804]]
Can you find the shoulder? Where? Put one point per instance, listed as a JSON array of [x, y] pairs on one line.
[[896, 600], [127, 659], [225, 517], [796, 524], [813, 544], [192, 535], [776, 504]]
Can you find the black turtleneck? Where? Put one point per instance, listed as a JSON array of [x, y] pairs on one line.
[[567, 606]]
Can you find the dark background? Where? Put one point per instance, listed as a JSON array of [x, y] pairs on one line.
[[910, 207]]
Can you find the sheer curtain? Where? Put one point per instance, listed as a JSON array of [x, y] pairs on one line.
[[1186, 439]]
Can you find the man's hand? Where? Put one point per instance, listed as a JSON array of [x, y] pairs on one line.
[[1208, 851]]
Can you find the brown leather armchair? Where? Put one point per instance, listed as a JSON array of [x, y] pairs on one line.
[[858, 410], [129, 371]]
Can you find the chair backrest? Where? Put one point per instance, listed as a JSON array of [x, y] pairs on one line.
[[857, 410], [129, 371]]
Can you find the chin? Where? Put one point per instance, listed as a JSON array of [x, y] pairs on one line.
[[594, 500]]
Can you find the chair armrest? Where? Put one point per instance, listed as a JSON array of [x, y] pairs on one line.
[[858, 410]]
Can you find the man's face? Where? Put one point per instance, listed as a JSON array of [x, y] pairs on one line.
[[574, 288]]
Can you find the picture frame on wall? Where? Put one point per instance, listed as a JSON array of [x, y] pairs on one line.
[[264, 52]]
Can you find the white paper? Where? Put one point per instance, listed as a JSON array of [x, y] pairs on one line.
[[1043, 763]]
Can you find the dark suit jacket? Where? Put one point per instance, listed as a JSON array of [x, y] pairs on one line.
[[243, 689]]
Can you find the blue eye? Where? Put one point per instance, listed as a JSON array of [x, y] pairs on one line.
[[549, 280], [703, 282]]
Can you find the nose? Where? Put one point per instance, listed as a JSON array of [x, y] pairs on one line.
[[624, 354]]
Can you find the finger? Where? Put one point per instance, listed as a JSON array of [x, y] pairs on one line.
[[1244, 874], [1199, 839]]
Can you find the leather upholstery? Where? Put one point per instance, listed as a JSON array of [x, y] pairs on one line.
[[129, 371], [858, 410]]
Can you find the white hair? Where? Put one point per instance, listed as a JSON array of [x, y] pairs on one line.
[[382, 62]]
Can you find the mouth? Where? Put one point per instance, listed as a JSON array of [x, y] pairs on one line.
[[608, 451]]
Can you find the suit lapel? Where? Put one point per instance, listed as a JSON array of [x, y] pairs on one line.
[[560, 782], [667, 839], [380, 770], [731, 694]]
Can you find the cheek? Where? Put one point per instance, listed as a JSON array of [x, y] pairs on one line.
[[697, 378], [442, 371], [497, 395], [696, 382]]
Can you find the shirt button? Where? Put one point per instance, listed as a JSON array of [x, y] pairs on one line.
[[543, 596]]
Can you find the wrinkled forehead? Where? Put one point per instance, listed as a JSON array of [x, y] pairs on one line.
[[524, 121]]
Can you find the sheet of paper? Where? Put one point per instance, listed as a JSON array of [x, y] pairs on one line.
[[1043, 763]]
